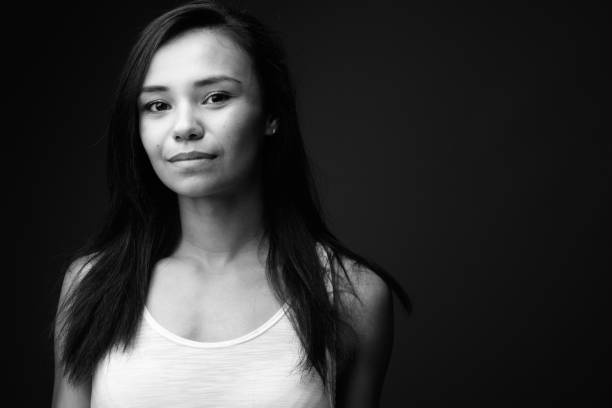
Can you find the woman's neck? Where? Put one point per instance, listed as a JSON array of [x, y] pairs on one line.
[[216, 230]]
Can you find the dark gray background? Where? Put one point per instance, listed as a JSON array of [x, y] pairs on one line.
[[460, 148]]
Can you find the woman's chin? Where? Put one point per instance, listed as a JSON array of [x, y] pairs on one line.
[[195, 189], [208, 187]]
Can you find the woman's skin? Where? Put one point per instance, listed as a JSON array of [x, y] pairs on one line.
[[201, 94]]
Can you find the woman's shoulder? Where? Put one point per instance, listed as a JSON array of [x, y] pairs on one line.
[[362, 289], [372, 292], [73, 275], [76, 271], [366, 304]]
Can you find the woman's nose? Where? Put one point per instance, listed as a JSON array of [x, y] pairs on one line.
[[187, 126]]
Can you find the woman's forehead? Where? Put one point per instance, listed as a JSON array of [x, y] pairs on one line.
[[197, 54]]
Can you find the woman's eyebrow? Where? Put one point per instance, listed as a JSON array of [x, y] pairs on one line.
[[197, 84]]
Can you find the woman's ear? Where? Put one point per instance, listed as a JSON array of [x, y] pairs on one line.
[[271, 126]]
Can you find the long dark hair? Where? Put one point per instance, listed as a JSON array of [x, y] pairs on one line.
[[142, 223]]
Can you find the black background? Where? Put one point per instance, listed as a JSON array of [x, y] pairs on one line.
[[461, 148]]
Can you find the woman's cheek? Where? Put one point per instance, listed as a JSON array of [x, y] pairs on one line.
[[151, 140], [244, 129]]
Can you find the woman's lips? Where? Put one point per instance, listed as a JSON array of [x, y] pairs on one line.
[[193, 155]]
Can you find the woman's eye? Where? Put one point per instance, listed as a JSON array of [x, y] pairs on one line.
[[156, 106], [216, 98]]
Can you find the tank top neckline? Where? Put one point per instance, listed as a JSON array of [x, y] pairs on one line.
[[213, 344]]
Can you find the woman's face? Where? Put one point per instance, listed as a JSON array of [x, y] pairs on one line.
[[201, 94]]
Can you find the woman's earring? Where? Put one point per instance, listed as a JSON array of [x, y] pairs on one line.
[[272, 128]]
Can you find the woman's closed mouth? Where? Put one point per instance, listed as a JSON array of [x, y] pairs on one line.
[[193, 155]]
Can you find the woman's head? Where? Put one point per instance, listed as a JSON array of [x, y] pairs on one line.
[[201, 95], [173, 99]]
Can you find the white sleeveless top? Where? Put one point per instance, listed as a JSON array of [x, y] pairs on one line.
[[162, 369]]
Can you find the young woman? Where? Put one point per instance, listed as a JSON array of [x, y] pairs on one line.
[[214, 281]]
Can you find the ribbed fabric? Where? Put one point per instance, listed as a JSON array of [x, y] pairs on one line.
[[256, 370]]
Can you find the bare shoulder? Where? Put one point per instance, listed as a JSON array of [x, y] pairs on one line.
[[66, 393], [80, 266], [73, 275], [373, 295], [370, 313], [75, 272]]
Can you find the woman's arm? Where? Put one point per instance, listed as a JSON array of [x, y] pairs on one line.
[[65, 394], [360, 383]]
